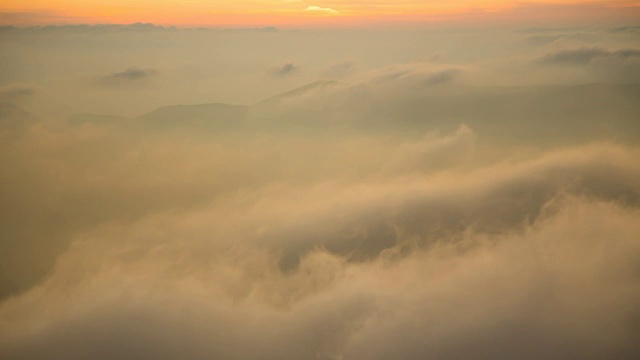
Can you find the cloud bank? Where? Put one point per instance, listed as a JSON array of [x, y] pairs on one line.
[[483, 204]]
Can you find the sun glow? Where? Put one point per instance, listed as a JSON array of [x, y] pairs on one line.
[[295, 12]]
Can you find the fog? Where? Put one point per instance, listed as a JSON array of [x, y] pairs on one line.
[[319, 194]]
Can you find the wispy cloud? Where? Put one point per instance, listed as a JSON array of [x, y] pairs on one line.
[[133, 75], [584, 56], [285, 69]]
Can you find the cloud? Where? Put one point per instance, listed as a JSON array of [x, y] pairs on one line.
[[442, 77], [598, 64], [553, 38], [128, 76], [15, 92], [484, 318], [318, 244], [433, 96], [433, 152], [417, 210], [339, 69], [173, 284], [623, 29], [584, 56], [14, 120], [322, 10], [410, 75], [285, 69]]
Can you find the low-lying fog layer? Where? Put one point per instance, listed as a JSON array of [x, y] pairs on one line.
[[264, 194]]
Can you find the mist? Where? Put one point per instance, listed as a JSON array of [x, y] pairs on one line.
[[319, 194]]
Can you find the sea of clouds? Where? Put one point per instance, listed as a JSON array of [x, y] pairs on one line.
[[352, 194]]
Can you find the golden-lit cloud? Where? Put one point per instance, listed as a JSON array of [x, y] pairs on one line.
[[318, 9]]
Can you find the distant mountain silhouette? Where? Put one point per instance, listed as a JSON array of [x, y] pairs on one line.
[[549, 113], [539, 113], [100, 119]]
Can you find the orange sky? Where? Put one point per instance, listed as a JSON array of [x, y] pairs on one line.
[[312, 13]]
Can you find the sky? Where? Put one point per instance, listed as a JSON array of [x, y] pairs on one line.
[[383, 180], [301, 13]]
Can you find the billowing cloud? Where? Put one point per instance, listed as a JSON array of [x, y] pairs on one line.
[[179, 282]]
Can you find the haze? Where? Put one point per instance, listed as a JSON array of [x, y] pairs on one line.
[[454, 180]]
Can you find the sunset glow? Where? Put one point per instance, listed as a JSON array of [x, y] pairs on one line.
[[309, 13]]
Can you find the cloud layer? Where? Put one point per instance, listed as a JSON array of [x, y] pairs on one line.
[[482, 203], [586, 55]]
